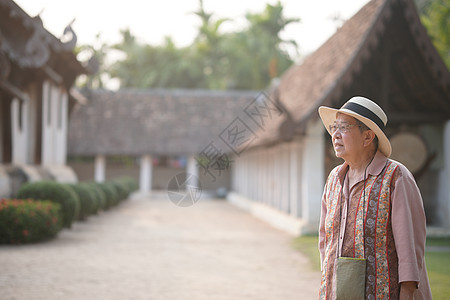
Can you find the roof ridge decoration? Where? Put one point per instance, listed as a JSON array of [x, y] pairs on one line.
[[37, 50], [70, 44]]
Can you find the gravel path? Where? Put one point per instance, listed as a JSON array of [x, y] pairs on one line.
[[148, 248]]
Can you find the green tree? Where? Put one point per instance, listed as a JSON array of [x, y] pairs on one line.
[[436, 18], [208, 45], [146, 66], [97, 64], [257, 52], [248, 59]]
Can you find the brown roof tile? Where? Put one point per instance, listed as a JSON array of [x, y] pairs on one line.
[[160, 122]]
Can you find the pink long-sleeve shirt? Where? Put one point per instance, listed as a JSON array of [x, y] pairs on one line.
[[407, 225]]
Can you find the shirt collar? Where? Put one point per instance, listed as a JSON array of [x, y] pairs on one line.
[[375, 167]]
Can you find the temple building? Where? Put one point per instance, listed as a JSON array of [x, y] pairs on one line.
[[37, 72], [383, 53]]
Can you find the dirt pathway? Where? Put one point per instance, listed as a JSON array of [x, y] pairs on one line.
[[148, 248]]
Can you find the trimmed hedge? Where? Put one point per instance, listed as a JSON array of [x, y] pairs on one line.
[[51, 205], [87, 199], [99, 196], [110, 193], [95, 206], [26, 221], [126, 182], [55, 192], [120, 189]]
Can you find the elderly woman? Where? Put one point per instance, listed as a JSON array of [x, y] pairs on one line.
[[372, 213]]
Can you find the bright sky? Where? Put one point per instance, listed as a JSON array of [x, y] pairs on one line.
[[152, 20]]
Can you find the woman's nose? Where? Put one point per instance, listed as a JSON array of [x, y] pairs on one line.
[[337, 133]]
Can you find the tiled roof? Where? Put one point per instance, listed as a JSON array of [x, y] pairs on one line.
[[160, 122], [353, 61], [304, 86]]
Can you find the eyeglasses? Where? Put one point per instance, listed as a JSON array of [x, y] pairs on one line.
[[343, 128]]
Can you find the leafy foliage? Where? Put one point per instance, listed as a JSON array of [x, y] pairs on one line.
[[87, 199], [99, 196], [247, 59], [26, 221], [51, 205], [110, 193], [436, 18], [55, 192]]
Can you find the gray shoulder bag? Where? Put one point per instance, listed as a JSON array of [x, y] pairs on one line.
[[350, 278]]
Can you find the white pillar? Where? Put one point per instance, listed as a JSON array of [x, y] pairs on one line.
[[258, 181], [294, 177], [100, 166], [264, 186], [19, 131], [192, 169], [257, 176], [244, 169], [51, 109], [447, 168], [252, 175], [443, 208], [237, 174], [1, 132], [278, 169], [145, 178], [47, 142], [313, 162], [284, 178], [54, 111], [61, 128]]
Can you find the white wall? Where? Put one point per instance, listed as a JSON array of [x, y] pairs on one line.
[[288, 177]]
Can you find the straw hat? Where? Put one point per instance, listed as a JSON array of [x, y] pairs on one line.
[[367, 112]]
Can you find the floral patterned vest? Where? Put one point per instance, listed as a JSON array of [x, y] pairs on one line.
[[379, 247]]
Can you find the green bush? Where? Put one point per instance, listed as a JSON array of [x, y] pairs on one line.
[[26, 221], [100, 197], [55, 192], [87, 199], [103, 197], [110, 193], [103, 194], [120, 188], [95, 198], [129, 182]]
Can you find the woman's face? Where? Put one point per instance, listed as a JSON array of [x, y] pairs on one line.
[[347, 138]]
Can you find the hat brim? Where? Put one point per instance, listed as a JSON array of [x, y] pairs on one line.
[[328, 116]]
